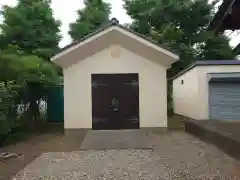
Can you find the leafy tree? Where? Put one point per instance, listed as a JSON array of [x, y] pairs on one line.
[[216, 48], [24, 79], [180, 25], [95, 13], [29, 36], [30, 26]]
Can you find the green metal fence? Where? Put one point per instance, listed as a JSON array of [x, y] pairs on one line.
[[55, 105]]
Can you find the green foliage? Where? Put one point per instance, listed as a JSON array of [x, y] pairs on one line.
[[29, 36], [8, 90], [95, 13], [181, 25], [22, 68], [26, 79], [30, 26], [216, 48]]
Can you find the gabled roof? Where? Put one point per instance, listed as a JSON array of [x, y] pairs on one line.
[[207, 63], [115, 24]]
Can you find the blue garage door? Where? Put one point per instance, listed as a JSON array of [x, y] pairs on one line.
[[224, 101]]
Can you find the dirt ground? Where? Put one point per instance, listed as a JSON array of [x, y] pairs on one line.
[[176, 122], [34, 147]]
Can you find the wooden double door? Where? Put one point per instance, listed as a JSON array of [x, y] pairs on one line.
[[115, 101]]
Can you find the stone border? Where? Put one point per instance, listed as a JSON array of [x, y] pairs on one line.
[[225, 143]]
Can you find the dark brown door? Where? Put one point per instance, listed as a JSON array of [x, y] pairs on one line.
[[128, 97], [115, 101], [101, 100]]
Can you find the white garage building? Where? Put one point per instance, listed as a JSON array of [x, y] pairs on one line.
[[208, 90], [114, 79]]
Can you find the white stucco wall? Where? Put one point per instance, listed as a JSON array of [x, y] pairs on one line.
[[152, 86], [185, 95], [191, 99]]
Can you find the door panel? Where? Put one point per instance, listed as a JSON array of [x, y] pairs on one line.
[[128, 95], [102, 93], [115, 101]]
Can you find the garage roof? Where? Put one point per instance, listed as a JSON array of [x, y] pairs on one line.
[[115, 22], [108, 28], [207, 63]]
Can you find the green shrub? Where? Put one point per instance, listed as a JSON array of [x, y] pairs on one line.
[[7, 95]]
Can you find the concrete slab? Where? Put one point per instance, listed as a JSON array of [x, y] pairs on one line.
[[116, 139]]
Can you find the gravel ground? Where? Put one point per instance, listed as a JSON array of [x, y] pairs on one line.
[[176, 155]]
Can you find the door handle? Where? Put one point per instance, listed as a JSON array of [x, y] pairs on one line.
[[114, 102]]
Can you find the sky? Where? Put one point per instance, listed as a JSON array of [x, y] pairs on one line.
[[65, 11]]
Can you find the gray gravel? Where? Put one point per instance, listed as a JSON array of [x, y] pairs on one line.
[[177, 155]]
